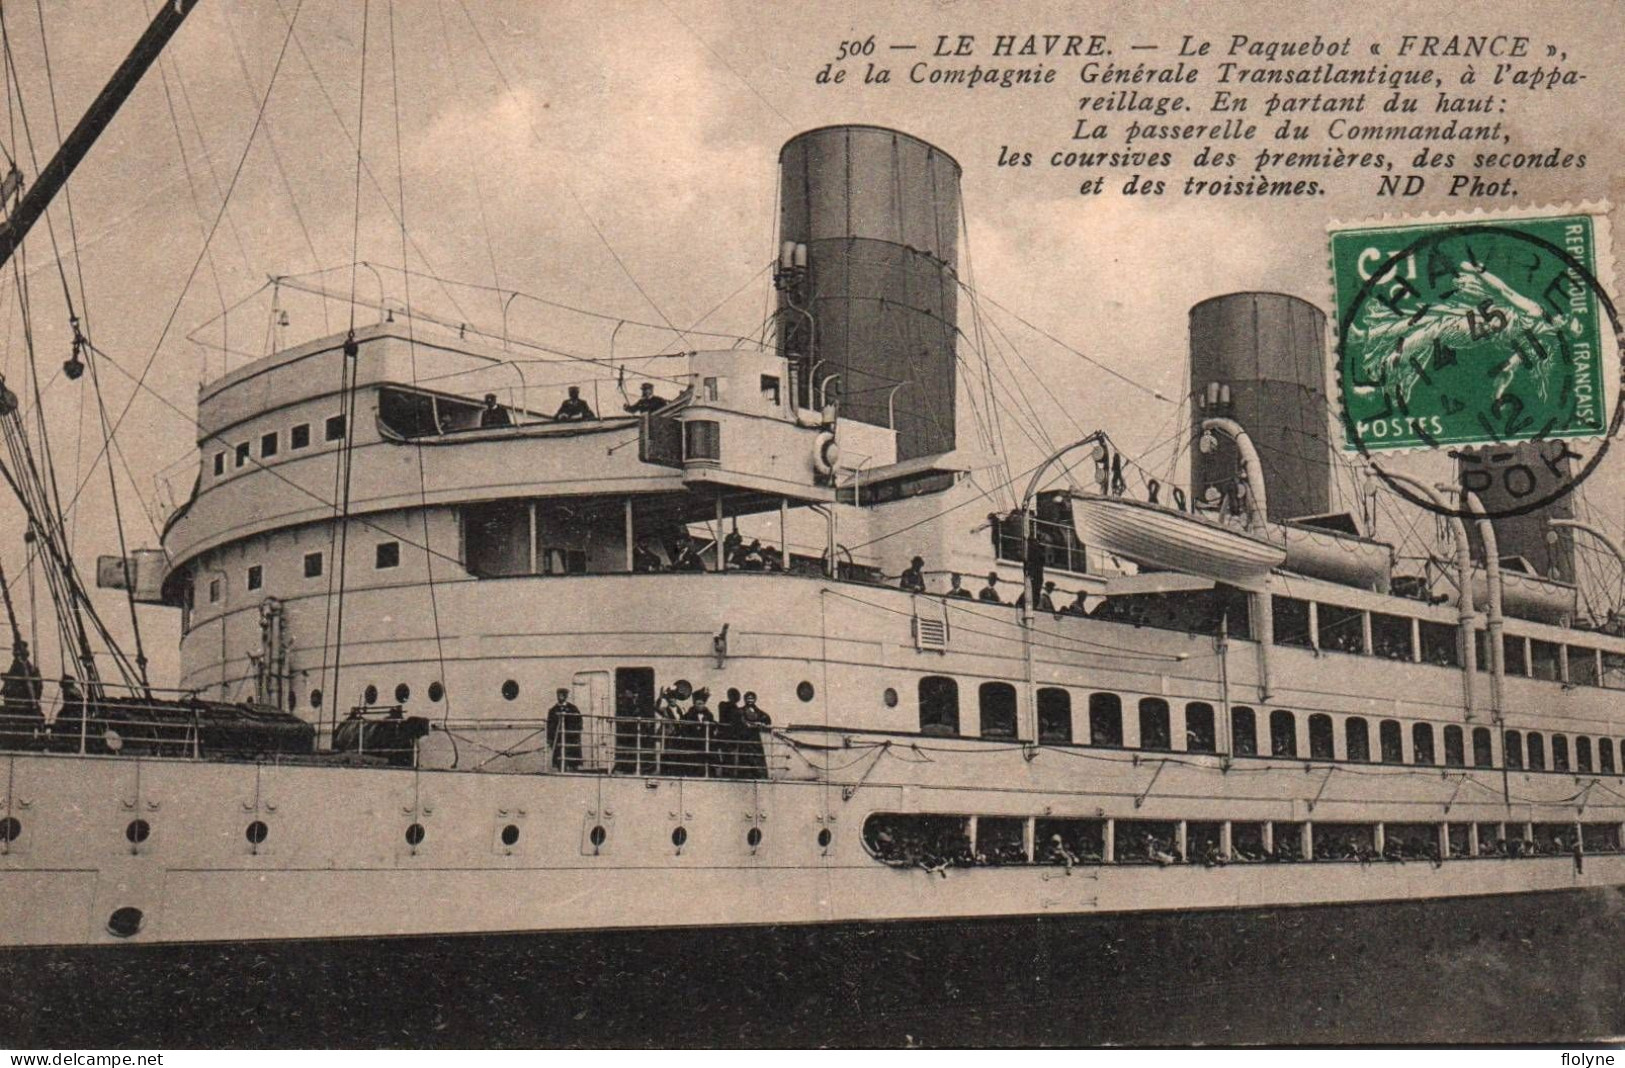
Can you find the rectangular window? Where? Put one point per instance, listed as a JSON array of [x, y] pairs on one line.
[[1560, 752], [1105, 719], [1283, 733], [1341, 630], [219, 464], [1516, 662], [1439, 645], [334, 428], [1356, 739], [997, 703], [1243, 732], [1613, 670], [242, 454], [1390, 742], [256, 576], [268, 444], [939, 705], [1483, 756], [1390, 636], [387, 555], [1200, 736], [1054, 715], [299, 436], [1154, 728], [1605, 755], [1292, 622], [1455, 753], [313, 565], [214, 591], [1582, 666], [1543, 661], [1422, 743]]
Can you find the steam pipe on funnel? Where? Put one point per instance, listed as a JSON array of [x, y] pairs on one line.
[[1493, 621]]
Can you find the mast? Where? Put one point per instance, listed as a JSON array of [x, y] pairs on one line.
[[96, 118]]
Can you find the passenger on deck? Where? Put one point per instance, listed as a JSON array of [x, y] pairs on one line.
[[494, 414], [1057, 852], [688, 557], [955, 589], [733, 551], [564, 732], [753, 558], [667, 714], [19, 696], [1077, 607], [913, 578], [697, 734], [645, 559], [729, 734], [573, 408], [1046, 600], [752, 722], [648, 400], [990, 592], [68, 727]]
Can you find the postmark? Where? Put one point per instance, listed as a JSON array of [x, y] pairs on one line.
[[1477, 334]]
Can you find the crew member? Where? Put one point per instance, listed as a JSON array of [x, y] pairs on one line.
[[494, 414], [648, 400], [573, 408], [645, 559], [990, 592], [19, 695], [564, 732], [955, 589], [914, 577]]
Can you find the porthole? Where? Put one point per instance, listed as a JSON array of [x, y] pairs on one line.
[[679, 836], [315, 699], [11, 829], [369, 696], [510, 690], [890, 697], [415, 834], [436, 691], [138, 831], [824, 838], [403, 693], [753, 837], [257, 832], [597, 836], [510, 835], [124, 922], [804, 690]]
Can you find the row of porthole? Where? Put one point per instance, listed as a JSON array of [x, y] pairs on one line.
[[138, 831], [510, 692]]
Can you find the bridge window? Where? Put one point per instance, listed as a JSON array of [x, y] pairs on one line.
[[702, 440], [1582, 666], [1391, 740], [1613, 670], [242, 454], [1390, 636], [1291, 617], [268, 444], [939, 705], [256, 576], [1200, 736], [1517, 661], [496, 538], [313, 565], [1054, 715], [1454, 754], [1560, 752], [1543, 661], [1283, 733], [1439, 646], [1356, 739], [1243, 732], [1154, 730], [1537, 751], [1321, 745], [1512, 750], [1422, 743], [997, 701], [1582, 754], [333, 428], [1483, 752], [1105, 719], [219, 464], [1605, 755], [1341, 630], [386, 554], [299, 436]]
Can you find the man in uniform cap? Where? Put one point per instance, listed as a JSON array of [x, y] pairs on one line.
[[914, 577], [494, 414], [990, 592], [564, 732], [573, 408], [648, 400]]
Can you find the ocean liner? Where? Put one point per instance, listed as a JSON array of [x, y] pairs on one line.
[[711, 694]]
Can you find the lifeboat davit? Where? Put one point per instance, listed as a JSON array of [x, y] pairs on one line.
[[1167, 538]]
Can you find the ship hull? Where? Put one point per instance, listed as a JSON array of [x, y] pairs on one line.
[[1540, 967]]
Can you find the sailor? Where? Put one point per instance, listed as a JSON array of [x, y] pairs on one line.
[[990, 592], [494, 414], [914, 577], [645, 559], [573, 408], [955, 589], [19, 694], [648, 400], [752, 722], [1046, 602], [564, 732]]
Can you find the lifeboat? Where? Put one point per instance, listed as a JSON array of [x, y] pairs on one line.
[[1160, 537]]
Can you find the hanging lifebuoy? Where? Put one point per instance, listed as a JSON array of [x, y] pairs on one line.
[[826, 454]]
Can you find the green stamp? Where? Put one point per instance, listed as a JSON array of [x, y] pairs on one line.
[[1469, 333]]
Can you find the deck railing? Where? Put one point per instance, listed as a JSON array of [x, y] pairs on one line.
[[652, 745]]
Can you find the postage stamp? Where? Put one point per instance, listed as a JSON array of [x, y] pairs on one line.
[[1472, 331]]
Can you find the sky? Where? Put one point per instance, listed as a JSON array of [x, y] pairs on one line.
[[621, 157]]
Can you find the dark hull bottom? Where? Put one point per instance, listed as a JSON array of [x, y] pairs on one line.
[[1532, 968]]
